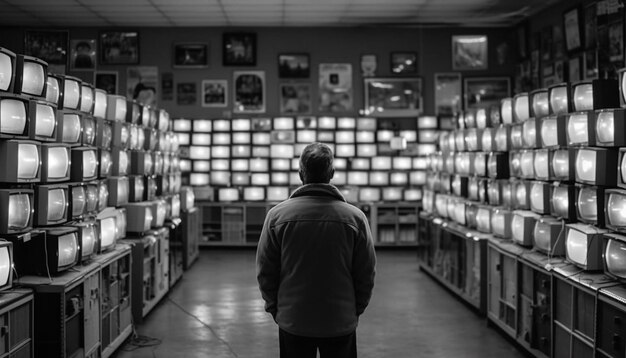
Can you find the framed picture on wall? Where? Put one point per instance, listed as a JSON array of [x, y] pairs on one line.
[[571, 25], [393, 97], [214, 93], [294, 65], [106, 80], [403, 63], [190, 55], [48, 45], [83, 55], [469, 52], [485, 91], [573, 69], [448, 93], [295, 98], [186, 94], [119, 47], [239, 49], [249, 92]]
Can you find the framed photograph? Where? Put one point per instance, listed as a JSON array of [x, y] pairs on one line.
[[393, 97], [616, 41], [48, 45], [469, 52], [119, 47], [239, 49], [573, 69], [591, 25], [448, 93], [186, 94], [485, 91], [571, 24], [403, 63], [214, 93], [249, 92], [191, 55], [368, 65], [294, 65], [335, 91], [106, 80], [295, 98], [83, 55]]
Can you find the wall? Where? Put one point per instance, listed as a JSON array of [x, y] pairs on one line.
[[342, 45]]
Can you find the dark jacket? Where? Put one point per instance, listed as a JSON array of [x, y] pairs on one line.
[[316, 263]]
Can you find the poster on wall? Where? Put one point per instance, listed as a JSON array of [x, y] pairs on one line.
[[335, 87], [295, 98], [186, 94], [447, 93], [167, 86], [249, 92], [83, 55], [214, 93], [142, 84]]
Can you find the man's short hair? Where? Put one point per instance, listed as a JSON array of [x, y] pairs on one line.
[[316, 163]]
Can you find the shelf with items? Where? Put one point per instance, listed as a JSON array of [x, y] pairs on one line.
[[16, 318]]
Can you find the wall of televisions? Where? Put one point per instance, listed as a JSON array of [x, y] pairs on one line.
[[256, 159], [542, 179]]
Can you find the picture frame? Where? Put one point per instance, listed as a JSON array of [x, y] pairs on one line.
[[119, 47], [295, 98], [214, 93], [190, 55], [186, 93], [571, 26], [294, 65], [335, 92], [448, 93], [393, 97], [106, 80], [48, 45], [485, 91], [239, 49], [83, 55], [249, 92], [403, 63], [616, 41], [469, 52], [369, 63]]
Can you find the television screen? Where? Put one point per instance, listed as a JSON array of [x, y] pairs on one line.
[[185, 165], [345, 150], [399, 178], [503, 138], [469, 118], [139, 217], [100, 103], [221, 125], [590, 205], [84, 164], [417, 177], [282, 151], [116, 108], [279, 178], [549, 236], [523, 226], [392, 194], [241, 151], [615, 209], [552, 131], [360, 164], [277, 193], [16, 214], [487, 140], [419, 163], [181, 125], [67, 249], [56, 162], [326, 123], [583, 246], [501, 223], [366, 150], [381, 163], [472, 137], [227, 194], [614, 256], [118, 191], [517, 140], [596, 166], [204, 153], [199, 179], [282, 137], [483, 219], [527, 164], [559, 98], [134, 110], [506, 110], [338, 163], [539, 103], [521, 107], [70, 127], [51, 203], [610, 130], [14, 113], [283, 123], [7, 70], [53, 88], [482, 118], [530, 133], [378, 178], [204, 139], [579, 131], [306, 122], [88, 125], [206, 165], [541, 165], [88, 239], [30, 76], [219, 138], [384, 135], [498, 165], [540, 193], [252, 193], [494, 196], [359, 178], [521, 194], [259, 165], [412, 194], [506, 194], [562, 164], [202, 126], [43, 120], [347, 137], [369, 195], [107, 231], [6, 255], [368, 124], [346, 123], [583, 96], [87, 94], [429, 136]]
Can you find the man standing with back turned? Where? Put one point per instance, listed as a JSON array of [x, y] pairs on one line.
[[316, 264]]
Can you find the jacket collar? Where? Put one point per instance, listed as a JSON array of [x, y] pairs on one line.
[[318, 189]]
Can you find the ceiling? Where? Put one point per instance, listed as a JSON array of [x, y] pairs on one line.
[[243, 13]]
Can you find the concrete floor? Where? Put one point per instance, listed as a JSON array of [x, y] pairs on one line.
[[216, 311]]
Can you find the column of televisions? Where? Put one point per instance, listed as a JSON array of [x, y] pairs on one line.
[[256, 159], [543, 170]]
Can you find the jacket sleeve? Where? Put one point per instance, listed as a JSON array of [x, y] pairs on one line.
[[363, 268], [268, 267]]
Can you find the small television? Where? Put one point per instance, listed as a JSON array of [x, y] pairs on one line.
[[254, 193], [139, 217], [425, 149], [150, 139], [531, 134], [506, 110], [163, 120], [400, 178], [369, 195], [521, 194], [471, 211], [360, 164], [103, 195], [515, 164], [104, 134], [615, 247], [419, 163], [381, 163], [58, 251], [559, 99], [417, 177], [88, 125], [377, 178], [359, 178], [338, 163], [487, 140], [240, 151], [441, 205], [523, 227], [306, 136], [366, 150], [218, 138], [119, 162], [282, 151], [14, 116], [541, 164], [498, 165], [392, 194], [345, 137], [502, 138], [221, 125], [472, 188], [118, 191], [261, 138], [201, 126], [87, 97], [610, 128], [241, 125], [423, 136], [108, 228], [88, 239], [459, 140], [53, 88], [42, 120], [521, 107], [456, 210], [580, 129], [458, 184], [279, 178], [51, 204], [428, 201], [562, 164], [240, 178], [7, 70], [184, 165], [590, 205], [527, 164], [553, 131], [615, 209], [55, 159], [159, 211], [401, 163], [482, 118], [346, 123], [260, 179], [583, 246], [17, 209], [549, 236], [345, 150], [227, 194], [306, 122], [141, 162], [116, 108], [597, 166], [410, 135], [183, 139], [494, 192], [220, 178], [136, 188], [22, 160], [539, 103], [187, 198], [259, 165], [216, 151], [540, 194], [412, 194], [483, 218], [204, 139], [30, 75], [84, 164], [77, 201], [563, 201], [501, 223], [517, 136], [100, 103], [200, 179], [69, 128], [283, 123], [384, 135], [596, 94], [473, 140], [183, 125], [326, 122]]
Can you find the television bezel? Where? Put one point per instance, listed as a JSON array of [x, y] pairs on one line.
[[4, 214], [28, 123], [568, 92], [13, 58], [45, 147], [41, 206], [18, 75], [606, 166], [572, 199]]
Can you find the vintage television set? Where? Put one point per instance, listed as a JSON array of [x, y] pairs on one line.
[[241, 151], [471, 211], [498, 165], [456, 209], [253, 193], [22, 160], [501, 222], [201, 126], [488, 139], [51, 204], [494, 194], [507, 194], [531, 133], [523, 226], [118, 191], [472, 188], [220, 178], [6, 263], [120, 135], [88, 126], [360, 164], [260, 179], [581, 129], [88, 240], [360, 178], [563, 201], [87, 97], [521, 194], [428, 201], [51, 253], [521, 107], [227, 194], [563, 164], [91, 197], [517, 136], [77, 201], [111, 227], [217, 138], [610, 127], [597, 166], [105, 163], [583, 246], [133, 115], [139, 217], [458, 184], [199, 179], [237, 138], [502, 138], [241, 125], [120, 162], [527, 164], [30, 75], [285, 123], [539, 103], [515, 163], [552, 131], [615, 209], [549, 236], [541, 164], [136, 188], [187, 198], [483, 117], [412, 194], [53, 89], [84, 164], [306, 122], [559, 98], [506, 110], [16, 210], [159, 211], [390, 194], [70, 89], [141, 162], [103, 195], [100, 103], [342, 150], [185, 125], [8, 60], [376, 178], [235, 165], [595, 94], [473, 141], [104, 134], [369, 195], [614, 260], [540, 195], [590, 204], [279, 178], [69, 128], [483, 218], [205, 153], [417, 177]]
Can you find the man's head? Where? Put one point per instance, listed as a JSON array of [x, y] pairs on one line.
[[316, 164]]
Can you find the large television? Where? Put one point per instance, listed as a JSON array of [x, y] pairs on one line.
[[30, 76], [523, 226], [563, 201], [88, 239], [22, 161], [597, 166], [16, 210], [549, 236], [583, 246], [51, 204], [614, 256], [590, 205]]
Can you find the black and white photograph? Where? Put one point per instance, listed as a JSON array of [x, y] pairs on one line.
[[239, 49], [119, 47], [191, 55], [83, 55], [294, 65], [249, 92], [214, 93]]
